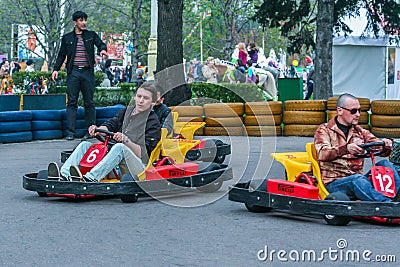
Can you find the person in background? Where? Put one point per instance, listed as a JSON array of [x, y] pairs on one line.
[[197, 71], [77, 47], [251, 72], [30, 66], [242, 53], [253, 53], [163, 113], [97, 64], [210, 72], [128, 72], [14, 67]]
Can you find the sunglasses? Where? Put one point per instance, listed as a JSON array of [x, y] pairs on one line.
[[353, 110]]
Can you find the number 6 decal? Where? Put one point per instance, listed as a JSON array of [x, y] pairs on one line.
[[92, 156]]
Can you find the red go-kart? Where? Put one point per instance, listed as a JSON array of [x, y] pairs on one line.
[[303, 191], [162, 174]]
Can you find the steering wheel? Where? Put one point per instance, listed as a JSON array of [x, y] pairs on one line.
[[368, 147], [101, 138]]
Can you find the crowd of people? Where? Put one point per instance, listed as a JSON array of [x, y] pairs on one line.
[[115, 74]]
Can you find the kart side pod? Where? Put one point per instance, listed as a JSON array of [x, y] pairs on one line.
[[293, 189]]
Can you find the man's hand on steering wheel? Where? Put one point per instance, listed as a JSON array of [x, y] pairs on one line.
[[354, 149], [388, 143], [120, 137]]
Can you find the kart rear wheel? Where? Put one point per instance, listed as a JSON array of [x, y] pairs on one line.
[[253, 185], [42, 175], [214, 186], [129, 198], [334, 219], [219, 159]]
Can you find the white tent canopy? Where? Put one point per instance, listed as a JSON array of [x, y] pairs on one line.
[[360, 64]]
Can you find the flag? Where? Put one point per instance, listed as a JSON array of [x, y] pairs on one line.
[[205, 14]]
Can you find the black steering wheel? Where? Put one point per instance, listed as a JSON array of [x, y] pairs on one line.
[[100, 137], [368, 147]]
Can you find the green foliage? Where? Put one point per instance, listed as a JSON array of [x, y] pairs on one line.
[[106, 96], [203, 93]]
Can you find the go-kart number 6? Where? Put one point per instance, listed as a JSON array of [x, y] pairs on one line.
[[92, 156]]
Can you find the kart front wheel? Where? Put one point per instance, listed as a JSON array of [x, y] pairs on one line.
[[214, 186], [129, 198], [253, 185], [335, 219]]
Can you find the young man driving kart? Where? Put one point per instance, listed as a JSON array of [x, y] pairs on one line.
[[337, 145], [137, 132]]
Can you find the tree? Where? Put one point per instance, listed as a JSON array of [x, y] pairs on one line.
[[170, 72], [291, 15], [51, 17]]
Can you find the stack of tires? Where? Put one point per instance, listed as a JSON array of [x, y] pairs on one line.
[[15, 126], [46, 124], [302, 117], [103, 114], [263, 118], [224, 119], [385, 118], [365, 105], [190, 114], [80, 124]]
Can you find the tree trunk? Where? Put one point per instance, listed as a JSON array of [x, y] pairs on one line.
[[323, 59], [135, 35], [170, 72]]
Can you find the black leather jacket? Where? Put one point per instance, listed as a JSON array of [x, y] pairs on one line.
[[68, 48]]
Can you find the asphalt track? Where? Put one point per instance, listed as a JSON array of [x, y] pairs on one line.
[[38, 231]]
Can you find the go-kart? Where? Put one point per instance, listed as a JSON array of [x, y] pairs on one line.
[[162, 174], [208, 150], [303, 192]]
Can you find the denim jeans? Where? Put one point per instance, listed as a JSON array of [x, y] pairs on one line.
[[358, 185], [80, 81], [118, 153]]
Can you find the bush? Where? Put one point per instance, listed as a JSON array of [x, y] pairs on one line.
[[226, 92]]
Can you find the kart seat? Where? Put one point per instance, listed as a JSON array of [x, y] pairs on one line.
[[312, 154], [294, 162], [155, 154]]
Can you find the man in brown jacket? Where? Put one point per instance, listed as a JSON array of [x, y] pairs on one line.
[[337, 144]]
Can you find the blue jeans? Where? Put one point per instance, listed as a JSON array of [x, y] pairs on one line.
[[118, 154], [358, 185]]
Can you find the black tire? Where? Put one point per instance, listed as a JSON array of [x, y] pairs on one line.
[[23, 115], [46, 115], [219, 159], [14, 126], [108, 112], [334, 219], [15, 137], [38, 125], [131, 198], [260, 186], [214, 186], [47, 134], [42, 175]]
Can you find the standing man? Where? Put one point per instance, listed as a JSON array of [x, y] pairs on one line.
[[128, 73], [78, 47]]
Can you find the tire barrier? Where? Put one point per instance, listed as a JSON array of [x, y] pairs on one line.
[[263, 118], [263, 130], [224, 119], [47, 134], [299, 130], [385, 118], [15, 126], [302, 117], [46, 124], [47, 115], [190, 114], [395, 155]]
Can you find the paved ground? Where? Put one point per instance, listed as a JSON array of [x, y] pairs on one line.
[[58, 232]]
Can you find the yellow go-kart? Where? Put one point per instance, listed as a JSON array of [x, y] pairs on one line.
[[303, 192]]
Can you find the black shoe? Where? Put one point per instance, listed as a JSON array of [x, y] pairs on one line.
[[53, 171], [76, 174], [69, 137]]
